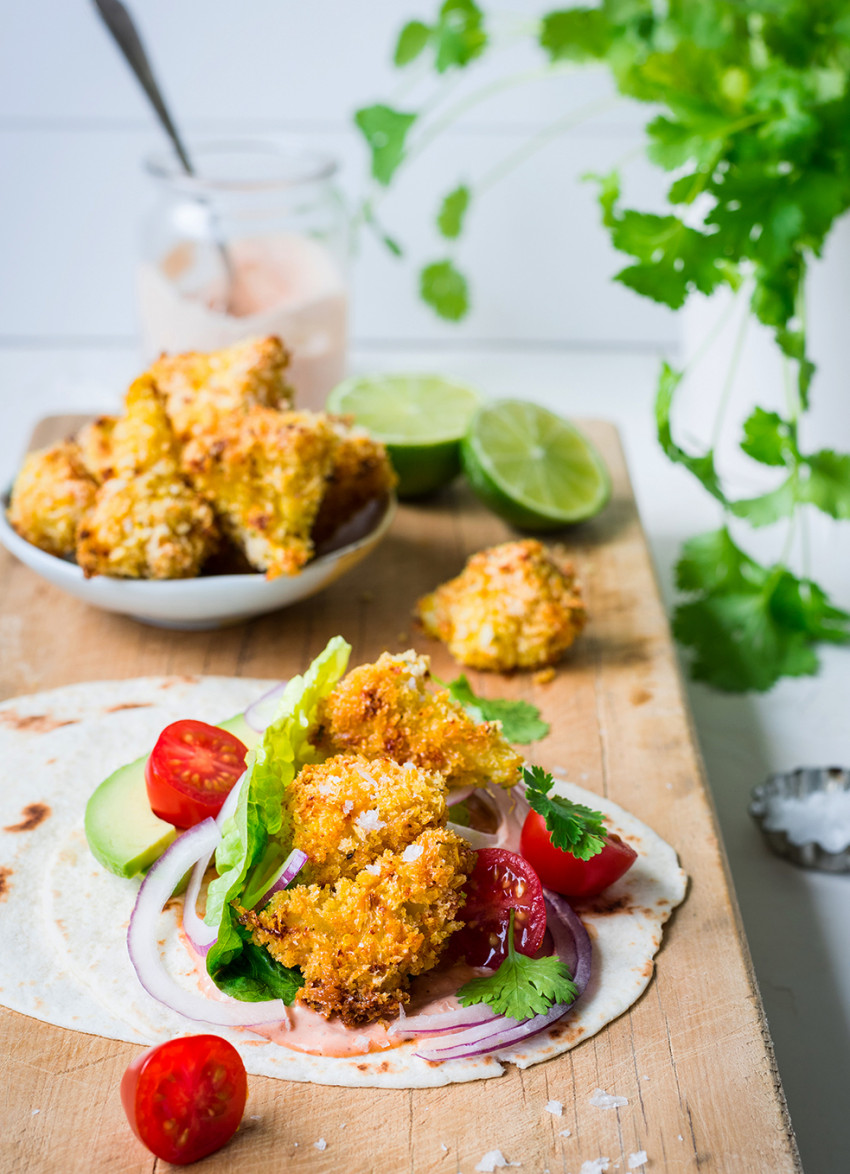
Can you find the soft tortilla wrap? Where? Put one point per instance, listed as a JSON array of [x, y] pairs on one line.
[[63, 918]]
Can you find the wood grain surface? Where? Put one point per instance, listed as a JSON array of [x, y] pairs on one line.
[[692, 1055]]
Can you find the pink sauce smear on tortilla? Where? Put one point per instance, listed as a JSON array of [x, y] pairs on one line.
[[432, 993]]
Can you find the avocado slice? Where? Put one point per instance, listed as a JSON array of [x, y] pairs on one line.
[[123, 833]]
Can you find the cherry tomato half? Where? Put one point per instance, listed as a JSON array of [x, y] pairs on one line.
[[501, 881], [184, 1099], [190, 771], [564, 872]]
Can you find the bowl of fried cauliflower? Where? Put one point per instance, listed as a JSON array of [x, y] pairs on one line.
[[211, 499]]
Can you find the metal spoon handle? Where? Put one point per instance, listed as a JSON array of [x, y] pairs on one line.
[[119, 22]]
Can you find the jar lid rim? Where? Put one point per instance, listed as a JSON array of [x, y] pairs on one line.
[[274, 166]]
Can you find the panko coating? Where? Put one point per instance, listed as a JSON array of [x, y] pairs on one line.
[[265, 477], [361, 472], [148, 526], [202, 390], [349, 809], [514, 606], [51, 494], [95, 443], [360, 940], [143, 439], [386, 710]]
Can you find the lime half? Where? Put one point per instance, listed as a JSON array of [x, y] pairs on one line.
[[420, 418], [532, 468]]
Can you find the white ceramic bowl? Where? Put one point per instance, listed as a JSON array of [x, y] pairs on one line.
[[209, 601]]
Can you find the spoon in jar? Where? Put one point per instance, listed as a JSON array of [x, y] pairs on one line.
[[120, 23]]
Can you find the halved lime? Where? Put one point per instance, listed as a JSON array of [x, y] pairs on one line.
[[532, 468], [420, 418]]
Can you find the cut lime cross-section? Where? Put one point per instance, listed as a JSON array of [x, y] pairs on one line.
[[420, 418], [532, 468]]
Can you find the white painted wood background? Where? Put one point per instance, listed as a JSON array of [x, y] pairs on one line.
[[547, 324]]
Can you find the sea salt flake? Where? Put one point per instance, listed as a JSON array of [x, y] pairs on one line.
[[822, 817], [564, 1133], [412, 852], [347, 806], [607, 1100], [373, 869], [638, 1159], [34, 1112], [370, 821], [680, 1137], [321, 1144], [444, 1148], [556, 1108], [494, 1160], [595, 1166]]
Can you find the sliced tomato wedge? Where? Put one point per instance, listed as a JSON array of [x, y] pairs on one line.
[[565, 873], [190, 771], [184, 1099], [501, 881]]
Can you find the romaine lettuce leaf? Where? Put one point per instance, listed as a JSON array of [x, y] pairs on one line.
[[284, 749]]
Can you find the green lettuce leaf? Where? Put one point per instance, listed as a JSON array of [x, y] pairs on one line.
[[284, 749]]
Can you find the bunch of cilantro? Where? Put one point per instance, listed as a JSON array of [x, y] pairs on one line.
[[754, 101]]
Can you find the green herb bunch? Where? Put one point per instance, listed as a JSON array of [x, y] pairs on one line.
[[754, 127]]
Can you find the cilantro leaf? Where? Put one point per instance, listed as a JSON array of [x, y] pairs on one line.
[[770, 507], [521, 721], [802, 605], [828, 484], [573, 827], [702, 467], [385, 131], [411, 41], [452, 212], [444, 289], [575, 34], [522, 987], [768, 438], [459, 34], [713, 564]]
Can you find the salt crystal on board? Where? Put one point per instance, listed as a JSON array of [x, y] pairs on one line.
[[822, 817], [494, 1160], [564, 1133], [556, 1108], [321, 1144], [607, 1100], [595, 1166], [638, 1159]]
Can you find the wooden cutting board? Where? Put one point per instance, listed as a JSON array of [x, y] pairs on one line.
[[692, 1056]]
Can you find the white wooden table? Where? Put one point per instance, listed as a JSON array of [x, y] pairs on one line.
[[548, 325]]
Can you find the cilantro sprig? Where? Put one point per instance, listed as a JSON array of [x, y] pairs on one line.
[[522, 987], [750, 106], [521, 721], [573, 827]]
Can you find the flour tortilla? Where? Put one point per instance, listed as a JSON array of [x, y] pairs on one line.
[[63, 918]]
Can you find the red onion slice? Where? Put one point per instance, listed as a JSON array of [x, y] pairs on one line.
[[198, 932], [573, 946], [473, 837], [259, 713], [457, 795], [160, 882], [285, 875], [445, 1021]]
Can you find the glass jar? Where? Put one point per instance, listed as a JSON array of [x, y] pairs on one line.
[[255, 243]]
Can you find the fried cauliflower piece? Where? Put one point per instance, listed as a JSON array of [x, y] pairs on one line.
[[147, 526], [202, 390], [386, 710], [95, 443], [349, 809], [514, 606], [361, 472], [143, 439], [265, 476], [52, 492], [359, 941]]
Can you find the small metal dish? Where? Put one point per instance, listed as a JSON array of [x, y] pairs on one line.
[[802, 783]]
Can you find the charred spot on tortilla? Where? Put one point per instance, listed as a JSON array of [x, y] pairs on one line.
[[5, 873], [640, 696], [33, 723], [128, 705], [33, 814], [180, 680], [603, 906]]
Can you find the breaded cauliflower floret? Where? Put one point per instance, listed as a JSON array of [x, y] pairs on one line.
[[386, 710], [143, 438], [359, 941], [361, 472], [514, 606], [95, 442], [264, 476], [147, 526], [202, 390], [348, 810], [52, 492]]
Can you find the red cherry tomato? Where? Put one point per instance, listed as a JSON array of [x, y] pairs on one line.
[[566, 874], [190, 771], [501, 881], [185, 1098]]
